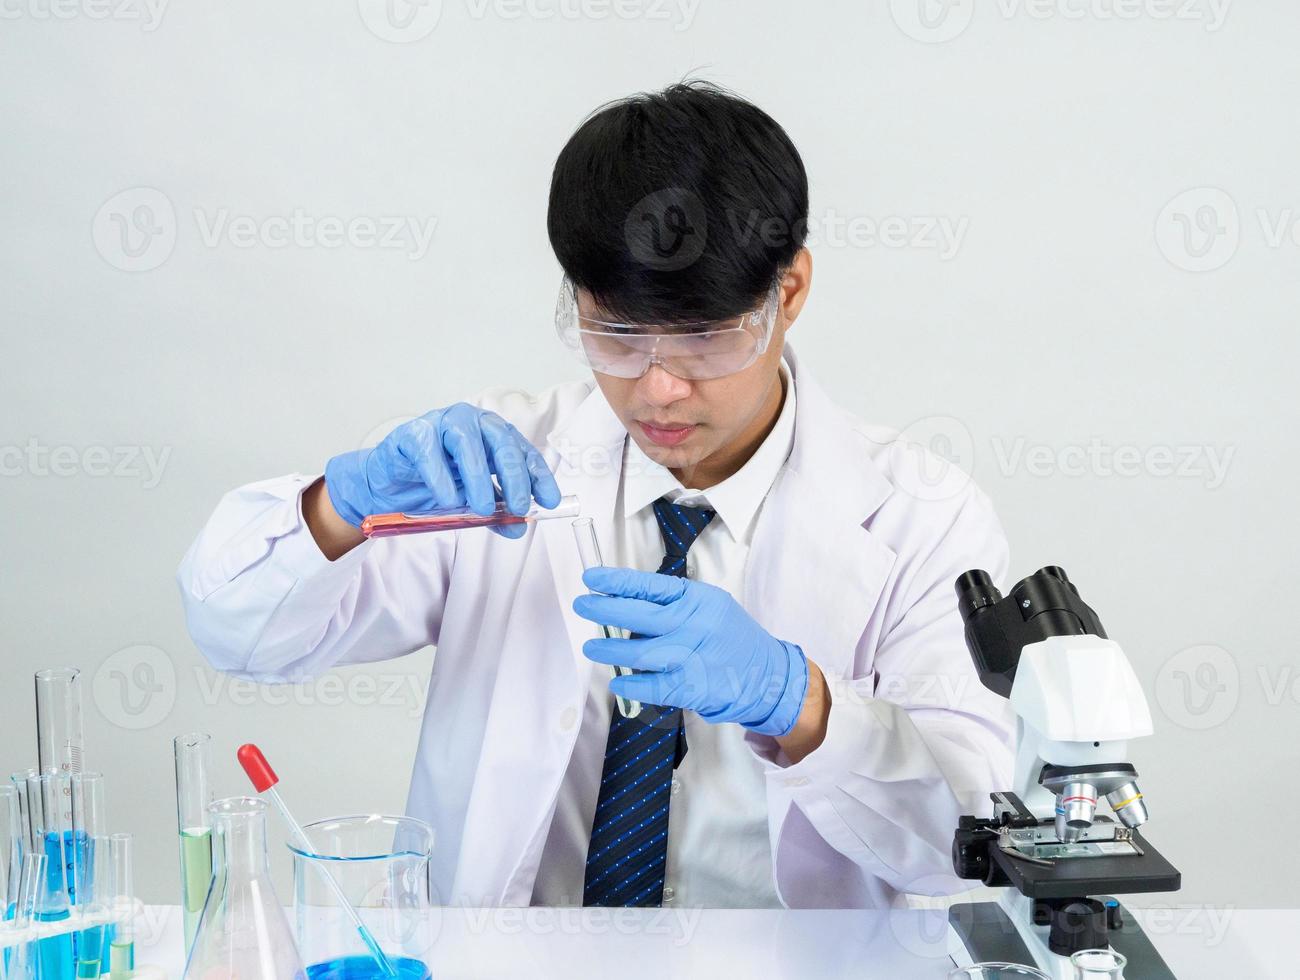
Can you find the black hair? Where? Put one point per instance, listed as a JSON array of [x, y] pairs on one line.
[[678, 205]]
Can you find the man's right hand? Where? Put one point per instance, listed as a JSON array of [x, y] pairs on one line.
[[445, 458]]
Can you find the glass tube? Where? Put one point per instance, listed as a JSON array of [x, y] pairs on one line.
[[48, 796], [462, 518], [121, 955], [19, 780], [95, 901], [11, 857], [60, 740], [87, 792], [193, 797], [584, 532]]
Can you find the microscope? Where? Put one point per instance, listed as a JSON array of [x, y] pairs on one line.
[[1078, 703]]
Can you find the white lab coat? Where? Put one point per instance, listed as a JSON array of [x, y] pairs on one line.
[[855, 568]]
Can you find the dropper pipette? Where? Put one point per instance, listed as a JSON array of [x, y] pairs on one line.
[[264, 779]]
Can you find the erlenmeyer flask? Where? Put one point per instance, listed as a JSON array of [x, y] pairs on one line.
[[243, 931]]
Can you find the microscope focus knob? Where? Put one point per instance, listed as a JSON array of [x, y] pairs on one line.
[[1078, 924]]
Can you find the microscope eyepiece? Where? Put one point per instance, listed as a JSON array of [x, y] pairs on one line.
[[975, 589]]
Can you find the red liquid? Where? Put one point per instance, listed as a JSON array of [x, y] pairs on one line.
[[391, 525]]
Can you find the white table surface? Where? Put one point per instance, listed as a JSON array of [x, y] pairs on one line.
[[477, 944]]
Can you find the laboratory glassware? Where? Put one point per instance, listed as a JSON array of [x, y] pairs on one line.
[[997, 971], [49, 819], [95, 899], [584, 532], [460, 518], [243, 931], [12, 836], [121, 950], [86, 810], [193, 753], [263, 778], [60, 740], [1098, 964], [381, 863], [23, 962]]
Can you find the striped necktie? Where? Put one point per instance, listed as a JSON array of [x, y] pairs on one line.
[[629, 834]]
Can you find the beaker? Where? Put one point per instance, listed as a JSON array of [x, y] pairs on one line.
[[1098, 964], [997, 971], [243, 931], [382, 865]]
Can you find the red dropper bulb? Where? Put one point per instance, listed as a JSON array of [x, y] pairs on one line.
[[258, 769]]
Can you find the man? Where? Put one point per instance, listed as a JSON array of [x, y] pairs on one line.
[[811, 725]]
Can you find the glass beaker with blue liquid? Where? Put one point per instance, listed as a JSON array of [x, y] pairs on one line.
[[382, 865]]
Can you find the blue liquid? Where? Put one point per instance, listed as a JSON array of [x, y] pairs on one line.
[[60, 850], [54, 957], [365, 968], [90, 953]]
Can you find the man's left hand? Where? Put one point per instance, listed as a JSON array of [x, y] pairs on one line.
[[696, 647]]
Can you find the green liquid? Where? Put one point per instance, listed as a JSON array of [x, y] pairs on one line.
[[196, 876], [121, 960], [90, 952]]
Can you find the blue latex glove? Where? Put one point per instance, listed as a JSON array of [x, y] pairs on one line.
[[444, 458], [698, 647]]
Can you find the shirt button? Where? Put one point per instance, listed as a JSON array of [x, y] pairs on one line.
[[676, 785], [690, 568], [668, 894], [568, 718]]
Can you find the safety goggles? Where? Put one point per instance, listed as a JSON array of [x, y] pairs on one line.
[[694, 351]]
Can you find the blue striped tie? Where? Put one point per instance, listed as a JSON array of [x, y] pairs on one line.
[[629, 835]]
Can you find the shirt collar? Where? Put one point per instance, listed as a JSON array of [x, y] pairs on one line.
[[737, 498]]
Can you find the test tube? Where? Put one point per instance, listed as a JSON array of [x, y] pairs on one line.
[[87, 790], [11, 857], [460, 518], [96, 902], [193, 795], [47, 798], [584, 531], [121, 956], [60, 740], [22, 957]]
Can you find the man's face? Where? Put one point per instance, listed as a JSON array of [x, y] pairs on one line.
[[680, 423]]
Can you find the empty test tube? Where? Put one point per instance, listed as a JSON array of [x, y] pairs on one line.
[[584, 531]]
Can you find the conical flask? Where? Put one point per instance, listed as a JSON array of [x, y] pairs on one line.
[[243, 932]]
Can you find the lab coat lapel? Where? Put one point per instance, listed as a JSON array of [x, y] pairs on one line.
[[815, 572], [586, 454]]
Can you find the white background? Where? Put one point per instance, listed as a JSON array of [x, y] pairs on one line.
[[1120, 177]]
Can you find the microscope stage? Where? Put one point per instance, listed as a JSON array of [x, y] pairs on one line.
[[1098, 872]]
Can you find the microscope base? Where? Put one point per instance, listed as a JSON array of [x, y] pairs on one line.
[[983, 932]]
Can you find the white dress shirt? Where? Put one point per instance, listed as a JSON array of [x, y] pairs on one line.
[[719, 855]]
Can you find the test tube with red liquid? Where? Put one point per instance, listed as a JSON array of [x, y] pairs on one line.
[[460, 518]]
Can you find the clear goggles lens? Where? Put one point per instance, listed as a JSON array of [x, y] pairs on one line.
[[693, 351]]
